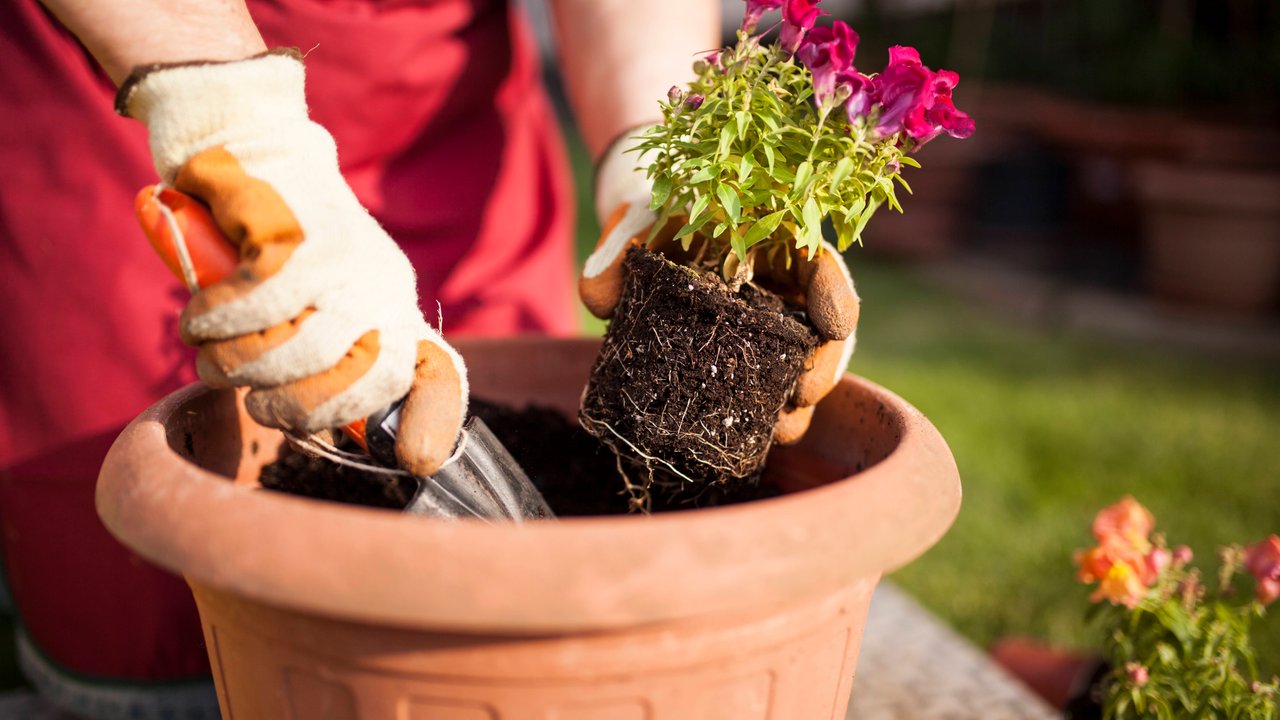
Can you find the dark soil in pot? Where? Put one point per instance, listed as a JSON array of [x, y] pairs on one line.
[[690, 379], [569, 467]]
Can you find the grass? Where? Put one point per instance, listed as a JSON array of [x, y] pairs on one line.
[[1047, 428]]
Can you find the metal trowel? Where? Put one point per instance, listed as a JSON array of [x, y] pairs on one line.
[[480, 480]]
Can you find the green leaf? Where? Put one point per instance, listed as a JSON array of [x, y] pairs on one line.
[[843, 170], [726, 140], [688, 229], [703, 175], [743, 121], [735, 240], [812, 215], [802, 177], [908, 161], [699, 205], [720, 228], [844, 232], [661, 191], [861, 224], [904, 184], [745, 166], [768, 155], [811, 227], [730, 202], [763, 228]]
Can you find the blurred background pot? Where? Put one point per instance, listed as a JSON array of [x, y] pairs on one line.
[[315, 610], [1212, 235]]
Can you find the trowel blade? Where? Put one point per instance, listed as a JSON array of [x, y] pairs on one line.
[[482, 481]]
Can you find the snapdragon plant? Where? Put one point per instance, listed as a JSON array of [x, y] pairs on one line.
[[774, 136], [1176, 646]]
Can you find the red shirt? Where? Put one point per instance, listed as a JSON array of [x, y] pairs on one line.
[[445, 134]]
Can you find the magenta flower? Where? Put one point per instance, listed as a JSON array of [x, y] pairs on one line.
[[862, 94], [828, 53], [942, 114], [917, 100], [756, 8], [694, 101], [798, 17], [903, 90]]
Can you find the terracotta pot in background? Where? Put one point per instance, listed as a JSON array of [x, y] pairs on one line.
[[1062, 678], [316, 610], [1212, 235]]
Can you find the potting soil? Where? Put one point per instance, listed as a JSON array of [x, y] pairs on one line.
[[574, 472]]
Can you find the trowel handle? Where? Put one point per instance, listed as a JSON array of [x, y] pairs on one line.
[[162, 212]]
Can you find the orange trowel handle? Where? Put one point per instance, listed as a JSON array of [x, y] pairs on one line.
[[213, 255]]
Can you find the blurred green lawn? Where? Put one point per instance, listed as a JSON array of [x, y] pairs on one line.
[[1048, 427]]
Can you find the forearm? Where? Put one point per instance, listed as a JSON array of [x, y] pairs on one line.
[[122, 34], [621, 56]]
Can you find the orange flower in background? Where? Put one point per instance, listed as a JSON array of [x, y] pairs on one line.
[[1124, 563], [1121, 571], [1263, 563], [1127, 521]]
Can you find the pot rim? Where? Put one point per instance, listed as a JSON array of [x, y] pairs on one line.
[[574, 574]]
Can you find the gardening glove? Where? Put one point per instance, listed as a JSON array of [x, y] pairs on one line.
[[822, 285], [320, 318]]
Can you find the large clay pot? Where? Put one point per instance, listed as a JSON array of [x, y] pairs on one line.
[[315, 610]]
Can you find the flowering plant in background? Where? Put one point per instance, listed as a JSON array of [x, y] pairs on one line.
[[774, 136], [1178, 647]]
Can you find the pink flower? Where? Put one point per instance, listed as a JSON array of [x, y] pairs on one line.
[[1137, 673], [798, 17], [1182, 555], [943, 115], [694, 101], [917, 100], [756, 8], [1156, 561], [828, 53], [1263, 563], [1127, 520], [903, 91], [862, 93], [801, 13]]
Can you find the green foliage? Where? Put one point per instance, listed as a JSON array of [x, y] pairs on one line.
[[1186, 652], [757, 162]]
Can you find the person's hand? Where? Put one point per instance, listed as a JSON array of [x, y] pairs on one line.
[[320, 318], [823, 285]]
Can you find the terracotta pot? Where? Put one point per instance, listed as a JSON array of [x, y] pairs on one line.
[[1213, 236], [316, 610], [1063, 678]]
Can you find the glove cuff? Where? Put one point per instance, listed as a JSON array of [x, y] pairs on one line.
[[621, 174], [191, 107]]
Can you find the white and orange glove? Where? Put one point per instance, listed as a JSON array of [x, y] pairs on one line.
[[823, 284], [320, 318]]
